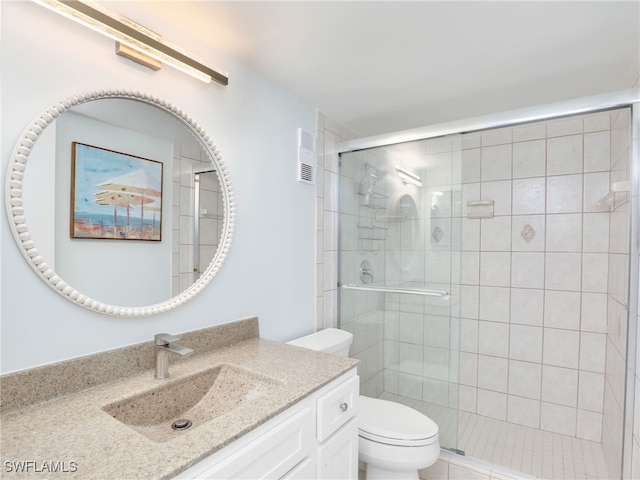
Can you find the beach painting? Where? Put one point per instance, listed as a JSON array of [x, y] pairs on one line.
[[115, 196]]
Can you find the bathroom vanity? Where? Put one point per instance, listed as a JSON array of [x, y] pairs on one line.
[[258, 409], [316, 438]]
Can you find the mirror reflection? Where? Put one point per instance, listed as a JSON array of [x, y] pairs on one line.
[[186, 203]]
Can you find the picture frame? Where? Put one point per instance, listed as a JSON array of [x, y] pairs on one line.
[[114, 195]]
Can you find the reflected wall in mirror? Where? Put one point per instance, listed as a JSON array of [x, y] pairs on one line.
[[113, 277]]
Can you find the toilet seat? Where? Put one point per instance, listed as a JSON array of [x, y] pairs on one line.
[[392, 423]]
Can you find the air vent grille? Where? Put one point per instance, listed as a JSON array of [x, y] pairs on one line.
[[306, 157]]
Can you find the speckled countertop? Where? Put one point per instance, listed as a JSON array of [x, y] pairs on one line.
[[75, 436]]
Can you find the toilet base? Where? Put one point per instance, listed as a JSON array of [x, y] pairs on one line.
[[376, 473]]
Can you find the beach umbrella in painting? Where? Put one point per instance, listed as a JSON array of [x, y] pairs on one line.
[[138, 182], [123, 200]]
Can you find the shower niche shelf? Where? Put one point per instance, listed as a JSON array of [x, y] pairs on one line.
[[370, 236], [374, 200]]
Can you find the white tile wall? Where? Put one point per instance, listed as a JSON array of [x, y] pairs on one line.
[[540, 293]]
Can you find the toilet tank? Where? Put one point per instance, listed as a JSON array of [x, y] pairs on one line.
[[330, 340]]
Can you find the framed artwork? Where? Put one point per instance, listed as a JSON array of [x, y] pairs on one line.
[[114, 196]]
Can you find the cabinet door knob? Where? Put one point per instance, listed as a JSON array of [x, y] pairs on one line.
[[344, 406]]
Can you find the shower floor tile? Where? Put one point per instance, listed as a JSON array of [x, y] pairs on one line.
[[546, 455]]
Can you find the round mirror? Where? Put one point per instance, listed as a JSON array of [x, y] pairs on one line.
[[128, 208]]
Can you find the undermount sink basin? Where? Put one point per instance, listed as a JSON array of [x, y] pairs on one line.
[[197, 399]]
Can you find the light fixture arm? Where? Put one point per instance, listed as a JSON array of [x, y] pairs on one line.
[[120, 31]]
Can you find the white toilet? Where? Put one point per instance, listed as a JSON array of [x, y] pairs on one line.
[[395, 441]]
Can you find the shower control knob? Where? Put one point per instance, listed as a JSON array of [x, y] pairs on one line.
[[344, 406]]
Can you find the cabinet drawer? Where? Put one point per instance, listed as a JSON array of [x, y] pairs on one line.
[[336, 407]]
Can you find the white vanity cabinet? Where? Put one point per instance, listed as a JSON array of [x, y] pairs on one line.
[[317, 438]]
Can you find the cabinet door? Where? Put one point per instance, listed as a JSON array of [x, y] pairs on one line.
[[305, 470], [338, 456], [271, 455]]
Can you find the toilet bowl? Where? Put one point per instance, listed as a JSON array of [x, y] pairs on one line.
[[394, 440]]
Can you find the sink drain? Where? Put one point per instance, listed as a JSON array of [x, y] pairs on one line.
[[181, 424]]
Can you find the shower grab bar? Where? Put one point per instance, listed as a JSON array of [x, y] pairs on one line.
[[410, 291]]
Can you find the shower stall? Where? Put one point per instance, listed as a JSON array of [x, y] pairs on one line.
[[488, 272]]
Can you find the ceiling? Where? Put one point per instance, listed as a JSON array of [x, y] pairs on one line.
[[383, 66]]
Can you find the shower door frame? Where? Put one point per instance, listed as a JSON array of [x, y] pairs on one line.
[[629, 98]]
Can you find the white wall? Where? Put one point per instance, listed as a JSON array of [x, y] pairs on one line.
[[269, 271]]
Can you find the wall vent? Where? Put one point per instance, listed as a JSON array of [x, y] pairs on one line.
[[306, 157]]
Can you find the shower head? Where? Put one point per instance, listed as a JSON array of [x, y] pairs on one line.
[[374, 172]]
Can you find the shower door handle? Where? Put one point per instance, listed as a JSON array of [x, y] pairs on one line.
[[409, 291]]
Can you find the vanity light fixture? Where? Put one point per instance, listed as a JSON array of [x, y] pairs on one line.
[[408, 177], [135, 42]]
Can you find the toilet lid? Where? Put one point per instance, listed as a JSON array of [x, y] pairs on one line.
[[394, 423]]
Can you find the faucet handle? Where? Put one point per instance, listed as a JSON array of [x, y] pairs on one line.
[[165, 338]]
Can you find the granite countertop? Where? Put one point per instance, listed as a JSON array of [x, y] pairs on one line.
[[73, 437]]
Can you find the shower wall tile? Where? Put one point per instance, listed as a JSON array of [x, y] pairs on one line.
[[564, 155], [595, 234], [591, 391], [532, 131], [527, 306], [493, 373], [469, 302], [525, 343], [529, 196], [525, 379], [470, 268], [562, 309], [528, 233], [593, 352], [469, 335], [496, 163], [561, 348], [593, 267], [564, 194], [494, 304], [560, 386], [500, 192], [597, 151], [597, 122], [596, 186], [529, 159], [558, 418], [498, 136], [563, 271], [594, 312], [589, 426], [493, 339], [492, 234], [564, 232], [495, 269], [467, 398], [410, 386], [492, 404], [556, 128], [523, 411], [471, 165], [468, 372], [436, 331], [527, 270]]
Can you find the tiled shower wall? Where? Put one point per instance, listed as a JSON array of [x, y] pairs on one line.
[[365, 319], [185, 160], [534, 295]]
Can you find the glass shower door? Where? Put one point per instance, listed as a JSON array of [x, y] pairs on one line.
[[399, 273]]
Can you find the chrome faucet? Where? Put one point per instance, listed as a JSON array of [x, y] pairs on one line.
[[163, 344]]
